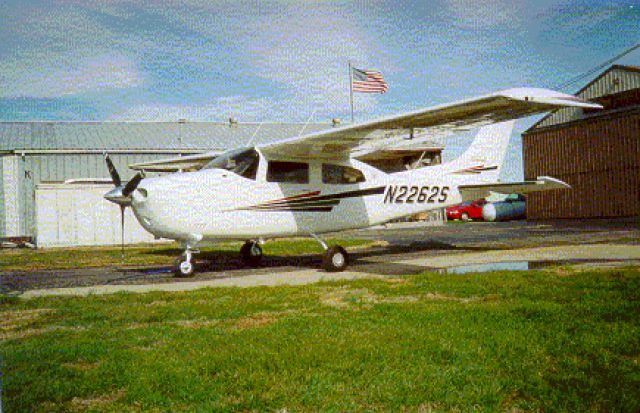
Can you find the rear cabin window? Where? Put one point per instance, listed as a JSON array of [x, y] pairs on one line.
[[289, 172], [341, 175]]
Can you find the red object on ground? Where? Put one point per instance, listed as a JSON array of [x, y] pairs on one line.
[[466, 211]]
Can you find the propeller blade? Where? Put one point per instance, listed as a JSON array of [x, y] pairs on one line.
[[113, 171], [122, 208], [132, 184]]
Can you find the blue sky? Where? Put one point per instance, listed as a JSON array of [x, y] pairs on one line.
[[287, 60]]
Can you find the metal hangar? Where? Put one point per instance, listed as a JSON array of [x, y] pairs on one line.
[[596, 152]]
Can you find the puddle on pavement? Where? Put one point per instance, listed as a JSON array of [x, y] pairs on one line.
[[513, 266]]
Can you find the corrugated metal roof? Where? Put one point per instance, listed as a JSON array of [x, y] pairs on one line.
[[144, 135], [616, 79]]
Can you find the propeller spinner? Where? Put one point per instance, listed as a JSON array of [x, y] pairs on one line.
[[121, 195]]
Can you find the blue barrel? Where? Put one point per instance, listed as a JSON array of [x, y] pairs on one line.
[[504, 210]]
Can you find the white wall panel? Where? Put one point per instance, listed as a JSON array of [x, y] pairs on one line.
[[11, 195], [68, 215]]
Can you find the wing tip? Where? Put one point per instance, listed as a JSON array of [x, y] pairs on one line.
[[548, 180], [549, 97]]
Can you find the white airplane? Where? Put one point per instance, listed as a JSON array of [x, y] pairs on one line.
[[312, 184]]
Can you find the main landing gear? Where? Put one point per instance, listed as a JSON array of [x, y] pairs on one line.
[[335, 258], [251, 253]]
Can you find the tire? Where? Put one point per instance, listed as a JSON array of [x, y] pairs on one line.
[[185, 268], [251, 253], [465, 217], [335, 259]]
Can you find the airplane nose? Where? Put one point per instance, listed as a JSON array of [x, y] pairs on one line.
[[117, 197]]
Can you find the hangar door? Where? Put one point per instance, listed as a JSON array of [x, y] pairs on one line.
[[77, 214]]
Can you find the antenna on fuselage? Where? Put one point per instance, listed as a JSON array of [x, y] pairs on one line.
[[307, 123], [250, 141]]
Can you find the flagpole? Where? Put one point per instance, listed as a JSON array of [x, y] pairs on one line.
[[351, 89]]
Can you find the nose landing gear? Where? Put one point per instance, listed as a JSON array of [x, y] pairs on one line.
[[185, 266]]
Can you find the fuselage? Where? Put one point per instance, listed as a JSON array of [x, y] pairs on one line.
[[277, 200]]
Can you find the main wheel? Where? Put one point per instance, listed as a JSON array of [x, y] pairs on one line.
[[465, 216], [335, 259], [251, 253], [185, 267]]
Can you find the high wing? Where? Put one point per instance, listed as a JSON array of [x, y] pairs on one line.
[[185, 163], [542, 183], [436, 121]]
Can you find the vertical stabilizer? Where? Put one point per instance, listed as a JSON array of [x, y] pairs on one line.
[[485, 156]]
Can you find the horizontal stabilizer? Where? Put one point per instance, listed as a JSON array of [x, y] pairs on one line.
[[542, 183], [184, 163]]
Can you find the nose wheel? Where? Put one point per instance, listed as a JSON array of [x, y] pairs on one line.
[[185, 266], [251, 253]]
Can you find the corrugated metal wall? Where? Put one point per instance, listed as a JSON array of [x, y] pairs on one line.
[[598, 157], [615, 80], [37, 168]]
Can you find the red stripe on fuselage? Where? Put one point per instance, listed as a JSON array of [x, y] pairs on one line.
[[289, 198]]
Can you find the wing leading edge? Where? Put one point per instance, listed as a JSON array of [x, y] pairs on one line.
[[436, 121], [185, 163]]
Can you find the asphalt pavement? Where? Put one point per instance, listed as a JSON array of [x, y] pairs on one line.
[[412, 248]]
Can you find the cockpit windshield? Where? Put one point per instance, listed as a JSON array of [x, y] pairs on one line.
[[243, 161]]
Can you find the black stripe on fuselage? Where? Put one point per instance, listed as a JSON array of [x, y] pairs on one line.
[[315, 203]]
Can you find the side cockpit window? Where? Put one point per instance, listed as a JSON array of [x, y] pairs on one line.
[[288, 172], [341, 174], [243, 162]]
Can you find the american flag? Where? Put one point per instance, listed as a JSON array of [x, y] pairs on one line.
[[368, 81]]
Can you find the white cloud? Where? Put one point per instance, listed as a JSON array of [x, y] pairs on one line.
[[474, 14], [243, 108], [56, 76], [303, 49], [62, 51]]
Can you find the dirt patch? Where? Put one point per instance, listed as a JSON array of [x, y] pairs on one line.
[[266, 318], [16, 324], [30, 332], [196, 323], [13, 319], [395, 281], [81, 365], [255, 320], [400, 299], [100, 401], [345, 297], [157, 303]]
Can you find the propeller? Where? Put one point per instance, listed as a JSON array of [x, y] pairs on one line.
[[120, 194], [115, 176]]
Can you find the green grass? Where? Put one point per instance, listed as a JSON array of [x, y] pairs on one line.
[[150, 254], [504, 341]]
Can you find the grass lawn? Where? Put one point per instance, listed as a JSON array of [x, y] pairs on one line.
[[150, 254], [550, 341]]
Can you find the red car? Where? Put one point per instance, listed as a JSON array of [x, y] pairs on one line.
[[466, 211]]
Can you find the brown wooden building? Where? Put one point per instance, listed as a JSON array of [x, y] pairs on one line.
[[596, 152]]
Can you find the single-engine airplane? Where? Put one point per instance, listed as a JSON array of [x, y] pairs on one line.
[[312, 184]]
